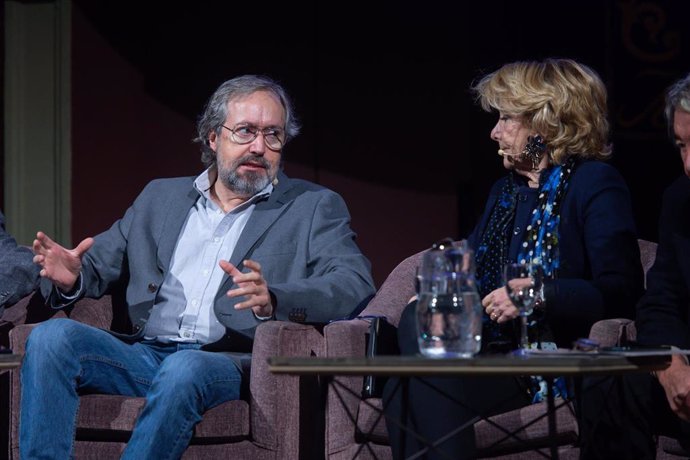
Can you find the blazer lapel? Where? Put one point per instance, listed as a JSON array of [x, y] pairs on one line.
[[174, 218], [264, 214]]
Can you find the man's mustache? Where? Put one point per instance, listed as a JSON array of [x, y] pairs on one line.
[[253, 161]]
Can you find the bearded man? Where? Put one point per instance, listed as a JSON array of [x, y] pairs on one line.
[[204, 261]]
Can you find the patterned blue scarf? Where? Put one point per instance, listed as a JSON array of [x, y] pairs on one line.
[[541, 244], [541, 241]]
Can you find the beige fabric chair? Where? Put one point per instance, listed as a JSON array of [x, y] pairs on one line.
[[354, 427], [277, 419]]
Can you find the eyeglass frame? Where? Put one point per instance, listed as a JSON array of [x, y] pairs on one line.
[[256, 134]]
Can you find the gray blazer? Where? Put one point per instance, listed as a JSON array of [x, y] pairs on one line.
[[300, 235], [19, 275]]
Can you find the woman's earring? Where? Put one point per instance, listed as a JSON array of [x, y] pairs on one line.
[[534, 150]]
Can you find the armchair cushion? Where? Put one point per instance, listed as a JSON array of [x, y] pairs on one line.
[[114, 416], [277, 419]]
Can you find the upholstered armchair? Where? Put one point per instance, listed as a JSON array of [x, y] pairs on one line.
[[355, 427], [275, 419]]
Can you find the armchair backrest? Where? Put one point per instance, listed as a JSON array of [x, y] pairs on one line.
[[619, 331], [647, 255], [398, 288], [396, 291]]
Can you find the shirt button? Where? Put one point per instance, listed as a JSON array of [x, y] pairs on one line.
[[187, 335], [516, 231], [216, 240], [153, 287]]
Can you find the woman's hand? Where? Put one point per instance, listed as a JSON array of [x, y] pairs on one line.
[[499, 307]]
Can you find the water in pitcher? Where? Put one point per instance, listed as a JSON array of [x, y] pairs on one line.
[[450, 324]]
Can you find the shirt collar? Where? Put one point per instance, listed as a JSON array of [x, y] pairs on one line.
[[203, 185]]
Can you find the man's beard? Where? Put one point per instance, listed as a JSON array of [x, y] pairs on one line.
[[250, 182]]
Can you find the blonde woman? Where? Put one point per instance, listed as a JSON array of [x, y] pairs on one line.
[[560, 203]]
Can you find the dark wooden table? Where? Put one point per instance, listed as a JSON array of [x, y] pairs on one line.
[[401, 366], [550, 366]]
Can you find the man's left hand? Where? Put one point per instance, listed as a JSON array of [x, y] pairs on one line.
[[251, 285]]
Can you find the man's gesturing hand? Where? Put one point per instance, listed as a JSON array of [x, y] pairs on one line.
[[252, 285], [58, 264]]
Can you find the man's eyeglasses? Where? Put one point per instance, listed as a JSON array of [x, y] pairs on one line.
[[244, 134]]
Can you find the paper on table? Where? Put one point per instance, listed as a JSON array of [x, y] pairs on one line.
[[612, 351]]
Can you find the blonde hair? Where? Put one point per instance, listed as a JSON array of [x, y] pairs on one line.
[[560, 99]]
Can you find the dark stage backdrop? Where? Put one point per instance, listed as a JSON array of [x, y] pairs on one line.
[[381, 89]]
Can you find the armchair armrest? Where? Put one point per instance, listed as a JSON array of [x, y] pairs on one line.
[[280, 402], [18, 336], [344, 338], [95, 312], [612, 332]]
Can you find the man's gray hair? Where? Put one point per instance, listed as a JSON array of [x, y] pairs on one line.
[[677, 98], [216, 110]]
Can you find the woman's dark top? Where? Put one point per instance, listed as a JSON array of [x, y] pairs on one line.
[[600, 274]]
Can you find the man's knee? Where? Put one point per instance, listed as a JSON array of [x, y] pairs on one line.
[[51, 333]]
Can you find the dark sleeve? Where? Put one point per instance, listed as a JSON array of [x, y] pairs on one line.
[[19, 276], [662, 313], [474, 238], [339, 277], [601, 273]]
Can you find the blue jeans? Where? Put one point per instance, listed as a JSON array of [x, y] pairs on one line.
[[65, 358]]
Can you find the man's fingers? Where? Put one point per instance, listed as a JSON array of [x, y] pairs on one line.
[[252, 265], [228, 268], [41, 242], [44, 239], [84, 246]]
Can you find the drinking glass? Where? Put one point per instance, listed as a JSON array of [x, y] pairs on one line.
[[523, 282]]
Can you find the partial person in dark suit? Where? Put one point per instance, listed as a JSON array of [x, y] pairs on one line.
[[204, 260], [18, 278], [18, 272], [621, 416], [560, 204]]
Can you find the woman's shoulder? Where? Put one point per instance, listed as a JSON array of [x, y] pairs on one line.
[[499, 183], [596, 167], [596, 172]]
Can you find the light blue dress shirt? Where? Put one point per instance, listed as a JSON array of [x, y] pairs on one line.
[[183, 310]]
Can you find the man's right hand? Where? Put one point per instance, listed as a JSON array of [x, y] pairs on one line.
[[676, 383], [58, 264]]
